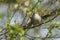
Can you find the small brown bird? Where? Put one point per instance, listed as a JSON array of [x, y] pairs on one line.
[[36, 18]]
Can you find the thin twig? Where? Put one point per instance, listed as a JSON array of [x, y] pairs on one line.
[[44, 22]]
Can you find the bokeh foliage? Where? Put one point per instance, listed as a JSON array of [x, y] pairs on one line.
[[28, 7]]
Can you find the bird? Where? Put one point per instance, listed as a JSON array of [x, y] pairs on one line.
[[36, 18]]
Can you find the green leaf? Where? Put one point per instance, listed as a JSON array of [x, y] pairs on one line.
[[21, 38]]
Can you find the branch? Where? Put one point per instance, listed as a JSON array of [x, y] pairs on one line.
[[31, 37], [29, 27]]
